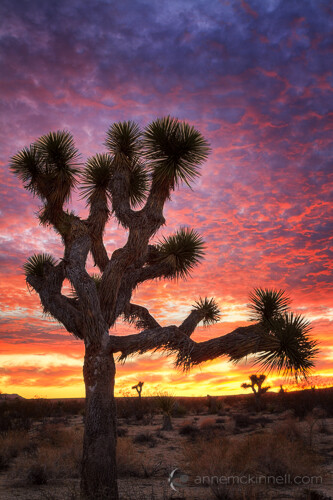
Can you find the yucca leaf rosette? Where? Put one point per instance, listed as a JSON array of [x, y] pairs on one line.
[[174, 150]]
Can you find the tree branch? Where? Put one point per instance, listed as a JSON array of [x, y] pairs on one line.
[[119, 187], [237, 344], [85, 288], [98, 217], [139, 316], [191, 322], [59, 306]]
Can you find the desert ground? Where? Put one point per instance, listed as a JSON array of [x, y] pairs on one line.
[[213, 441]]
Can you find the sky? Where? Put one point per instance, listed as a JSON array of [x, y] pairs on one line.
[[255, 77]]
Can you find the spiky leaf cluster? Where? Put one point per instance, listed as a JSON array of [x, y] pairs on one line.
[[97, 279], [35, 265], [266, 304], [124, 138], [139, 183], [182, 251], [210, 309], [96, 177], [294, 350], [48, 168], [27, 165], [175, 151], [98, 173]]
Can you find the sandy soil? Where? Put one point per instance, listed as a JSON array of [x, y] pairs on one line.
[[162, 453]]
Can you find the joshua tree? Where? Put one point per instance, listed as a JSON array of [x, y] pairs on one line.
[[166, 402], [138, 388], [257, 388], [131, 182]]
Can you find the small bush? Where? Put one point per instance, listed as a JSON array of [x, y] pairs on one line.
[[37, 474], [179, 410], [122, 431], [128, 460], [242, 420], [145, 438], [269, 453], [289, 429], [188, 430], [11, 445], [207, 423]]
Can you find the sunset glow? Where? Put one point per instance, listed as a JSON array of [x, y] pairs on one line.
[[255, 77]]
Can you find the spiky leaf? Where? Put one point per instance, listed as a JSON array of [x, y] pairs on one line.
[[58, 151], [138, 183], [182, 251], [96, 176], [35, 264], [266, 304], [27, 165], [294, 350], [210, 309], [60, 161], [124, 138], [175, 151], [97, 278]]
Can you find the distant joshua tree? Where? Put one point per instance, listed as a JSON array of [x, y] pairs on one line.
[[138, 388], [257, 388], [281, 391], [131, 182], [166, 402]]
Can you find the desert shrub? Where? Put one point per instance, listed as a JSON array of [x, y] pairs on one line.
[[270, 453], [323, 427], [21, 411], [179, 410], [214, 404], [37, 474], [207, 423], [54, 435], [122, 431], [188, 429], [242, 420], [151, 468], [303, 402], [262, 420], [308, 494], [60, 461], [229, 492], [128, 460], [135, 408], [289, 429], [159, 434], [145, 438], [11, 445]]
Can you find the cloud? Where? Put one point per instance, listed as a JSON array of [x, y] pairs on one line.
[[255, 77]]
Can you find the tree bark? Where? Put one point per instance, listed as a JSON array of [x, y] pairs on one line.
[[167, 423], [99, 470]]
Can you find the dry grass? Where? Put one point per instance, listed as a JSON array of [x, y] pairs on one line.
[[208, 423], [55, 458], [11, 445], [128, 459], [271, 453]]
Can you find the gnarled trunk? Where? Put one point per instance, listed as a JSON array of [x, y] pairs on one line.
[[99, 470]]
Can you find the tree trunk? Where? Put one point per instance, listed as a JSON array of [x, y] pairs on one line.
[[257, 399], [99, 470], [167, 424]]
